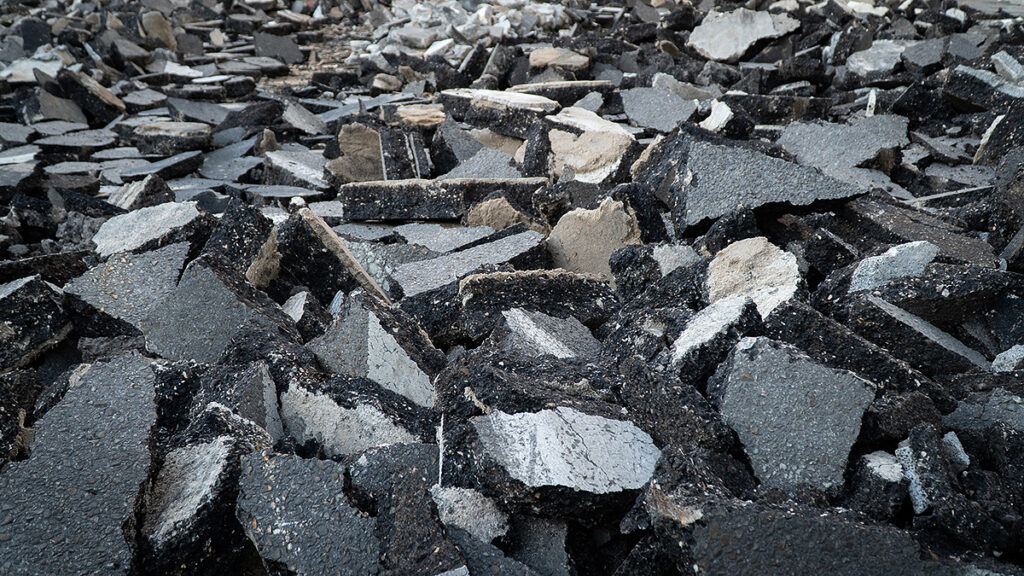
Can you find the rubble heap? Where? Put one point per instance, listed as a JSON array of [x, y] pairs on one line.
[[463, 287]]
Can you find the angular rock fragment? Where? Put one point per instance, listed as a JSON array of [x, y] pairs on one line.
[[149, 227], [721, 178], [441, 239], [797, 419], [910, 337], [860, 153], [711, 334], [908, 259], [150, 191], [387, 347], [348, 415], [296, 514], [536, 333], [295, 168], [727, 37], [611, 456], [420, 277], [397, 481], [169, 138], [425, 199], [31, 320], [128, 287], [213, 297], [311, 319], [508, 113], [657, 109], [184, 527], [756, 268], [484, 298], [98, 103], [471, 511], [583, 240], [248, 391], [69, 504], [592, 148], [897, 224], [801, 542]]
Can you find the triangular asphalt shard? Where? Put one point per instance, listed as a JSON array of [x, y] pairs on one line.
[[721, 179]]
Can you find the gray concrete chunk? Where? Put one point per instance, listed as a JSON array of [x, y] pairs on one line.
[[367, 341], [797, 419], [136, 229], [655, 108], [536, 334], [565, 447], [198, 320], [901, 261]]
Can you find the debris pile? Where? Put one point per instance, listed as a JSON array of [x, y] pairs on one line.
[[463, 287]]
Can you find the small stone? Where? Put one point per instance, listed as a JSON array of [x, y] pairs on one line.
[[558, 58], [295, 168], [1009, 360], [877, 61], [590, 146], [471, 511], [158, 27], [169, 138], [278, 47], [31, 318]]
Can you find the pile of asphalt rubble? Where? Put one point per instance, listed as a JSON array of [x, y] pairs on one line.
[[451, 287]]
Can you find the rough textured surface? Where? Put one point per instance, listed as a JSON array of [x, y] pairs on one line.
[[574, 245], [296, 513], [755, 268], [129, 286], [797, 420], [563, 447], [67, 504], [136, 229], [727, 37], [897, 262], [418, 277], [722, 178]]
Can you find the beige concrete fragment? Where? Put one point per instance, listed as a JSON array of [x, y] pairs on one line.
[[583, 240]]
